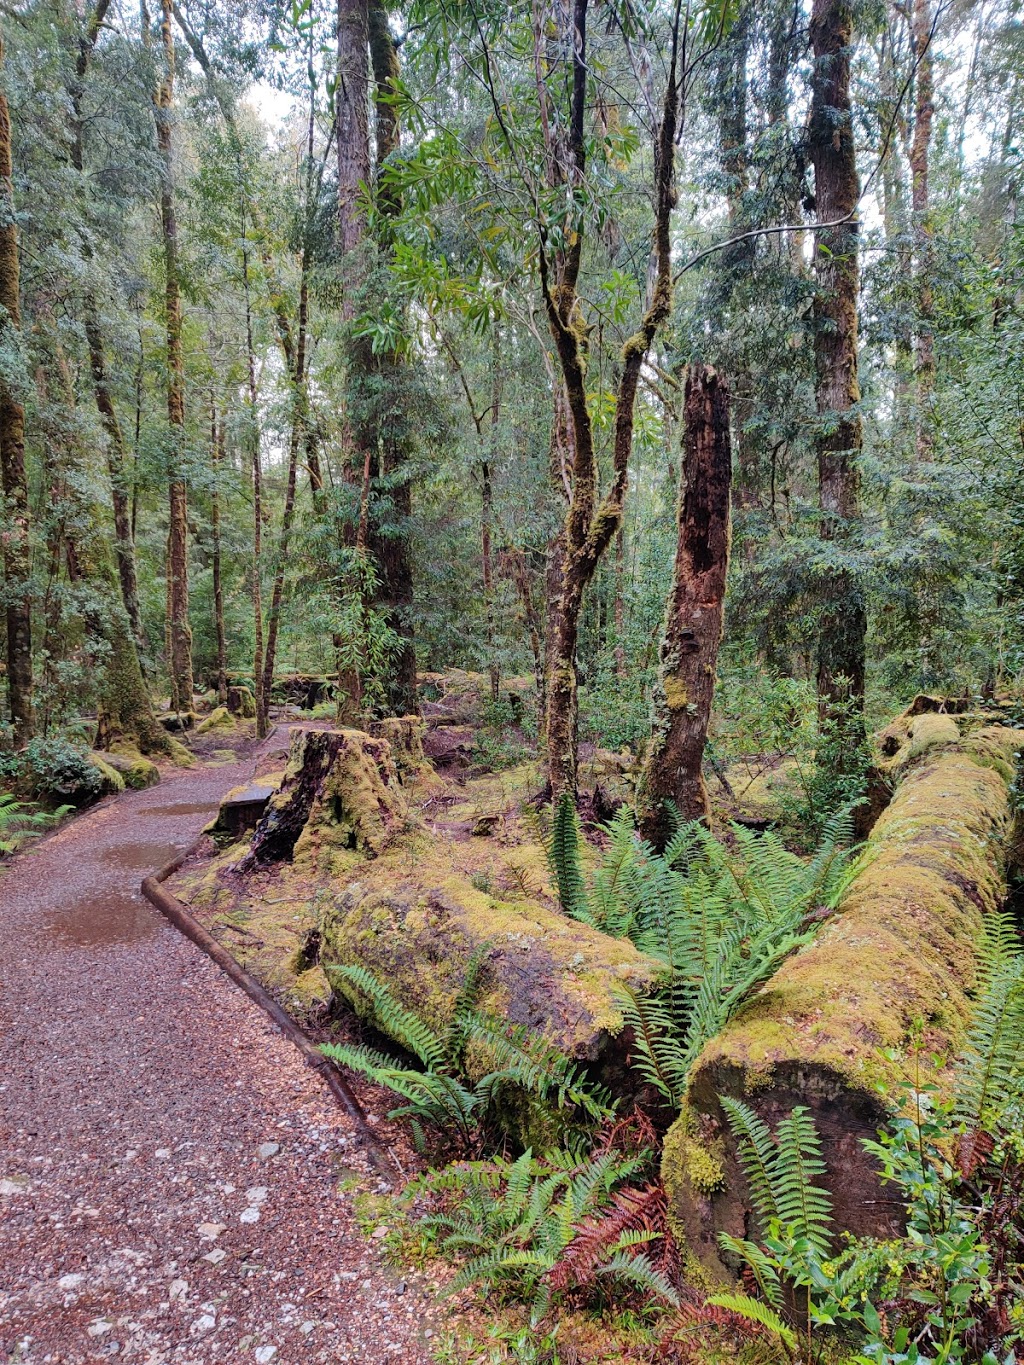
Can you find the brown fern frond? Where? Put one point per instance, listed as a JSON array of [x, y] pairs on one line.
[[631, 1210], [972, 1151]]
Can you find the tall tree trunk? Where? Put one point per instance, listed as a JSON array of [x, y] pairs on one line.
[[257, 500], [591, 525], [924, 111], [619, 609], [17, 553], [487, 511], [685, 688], [217, 456], [179, 633], [843, 626]]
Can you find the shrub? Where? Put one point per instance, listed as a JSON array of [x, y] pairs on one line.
[[53, 767]]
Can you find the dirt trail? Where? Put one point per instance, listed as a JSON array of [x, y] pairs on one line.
[[169, 1168]]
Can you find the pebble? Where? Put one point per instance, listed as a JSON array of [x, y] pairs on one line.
[[249, 1215], [99, 1327], [265, 1354], [16, 1184], [215, 1256], [70, 1281], [209, 1232], [267, 1149]]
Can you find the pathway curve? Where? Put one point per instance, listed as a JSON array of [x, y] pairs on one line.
[[169, 1167]]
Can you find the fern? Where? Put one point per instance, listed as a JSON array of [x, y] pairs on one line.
[[754, 1310], [437, 1094], [990, 1070], [563, 850]]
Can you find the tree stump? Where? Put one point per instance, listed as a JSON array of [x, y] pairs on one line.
[[340, 786]]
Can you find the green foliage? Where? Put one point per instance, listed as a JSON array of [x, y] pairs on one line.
[[21, 822], [54, 767], [513, 1222], [437, 1092], [720, 919]]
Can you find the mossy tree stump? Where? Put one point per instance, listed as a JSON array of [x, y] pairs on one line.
[[902, 948], [340, 786]]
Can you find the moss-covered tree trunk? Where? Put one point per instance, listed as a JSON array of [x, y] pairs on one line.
[[843, 622], [837, 190], [17, 556], [179, 632], [924, 113], [217, 457], [685, 687]]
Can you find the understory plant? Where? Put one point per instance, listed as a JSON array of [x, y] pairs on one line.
[[21, 821], [720, 919], [437, 1091], [540, 1229]]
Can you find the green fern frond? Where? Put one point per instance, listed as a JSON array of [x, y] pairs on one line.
[[756, 1311], [757, 1154], [407, 1029], [563, 850], [636, 1269], [658, 1055]]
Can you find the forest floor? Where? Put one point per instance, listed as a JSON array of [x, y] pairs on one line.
[[172, 1176]]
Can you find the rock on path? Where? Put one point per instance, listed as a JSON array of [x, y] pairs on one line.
[[168, 1165]]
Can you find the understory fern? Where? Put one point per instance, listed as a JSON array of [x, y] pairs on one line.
[[437, 1092], [720, 919], [513, 1224]]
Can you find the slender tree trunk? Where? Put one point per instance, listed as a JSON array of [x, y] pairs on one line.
[[487, 513], [179, 632], [17, 554], [590, 525], [685, 688], [257, 502], [843, 627], [217, 454], [619, 609], [924, 111]]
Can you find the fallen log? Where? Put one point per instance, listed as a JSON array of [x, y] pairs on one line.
[[830, 1029]]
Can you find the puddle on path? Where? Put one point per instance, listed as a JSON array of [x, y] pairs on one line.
[[141, 857], [183, 808], [110, 917]]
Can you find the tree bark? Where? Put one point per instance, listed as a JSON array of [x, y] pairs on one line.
[[684, 692], [17, 553], [217, 454], [179, 633], [257, 501], [590, 526], [924, 111], [843, 626]]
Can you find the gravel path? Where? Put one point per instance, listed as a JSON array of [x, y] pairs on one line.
[[169, 1168]]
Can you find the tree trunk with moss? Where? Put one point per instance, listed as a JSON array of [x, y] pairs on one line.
[[924, 113], [217, 456], [683, 694], [179, 632], [591, 524], [843, 625], [17, 557]]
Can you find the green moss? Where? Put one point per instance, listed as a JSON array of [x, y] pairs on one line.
[[220, 719], [676, 695], [112, 779]]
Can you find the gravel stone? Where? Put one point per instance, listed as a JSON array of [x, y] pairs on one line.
[[118, 1036]]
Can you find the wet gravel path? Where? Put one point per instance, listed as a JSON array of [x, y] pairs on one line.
[[169, 1168]]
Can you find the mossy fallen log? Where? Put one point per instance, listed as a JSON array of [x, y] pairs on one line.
[[833, 1027]]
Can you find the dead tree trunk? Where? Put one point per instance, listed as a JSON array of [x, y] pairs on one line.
[[685, 688], [17, 556], [179, 633], [843, 625]]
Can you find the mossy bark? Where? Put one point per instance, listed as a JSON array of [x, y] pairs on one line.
[[672, 775], [17, 558], [843, 627], [340, 787], [179, 632], [902, 948]]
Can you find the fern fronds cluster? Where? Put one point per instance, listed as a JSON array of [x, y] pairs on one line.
[[536, 1228], [437, 1092], [721, 920]]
